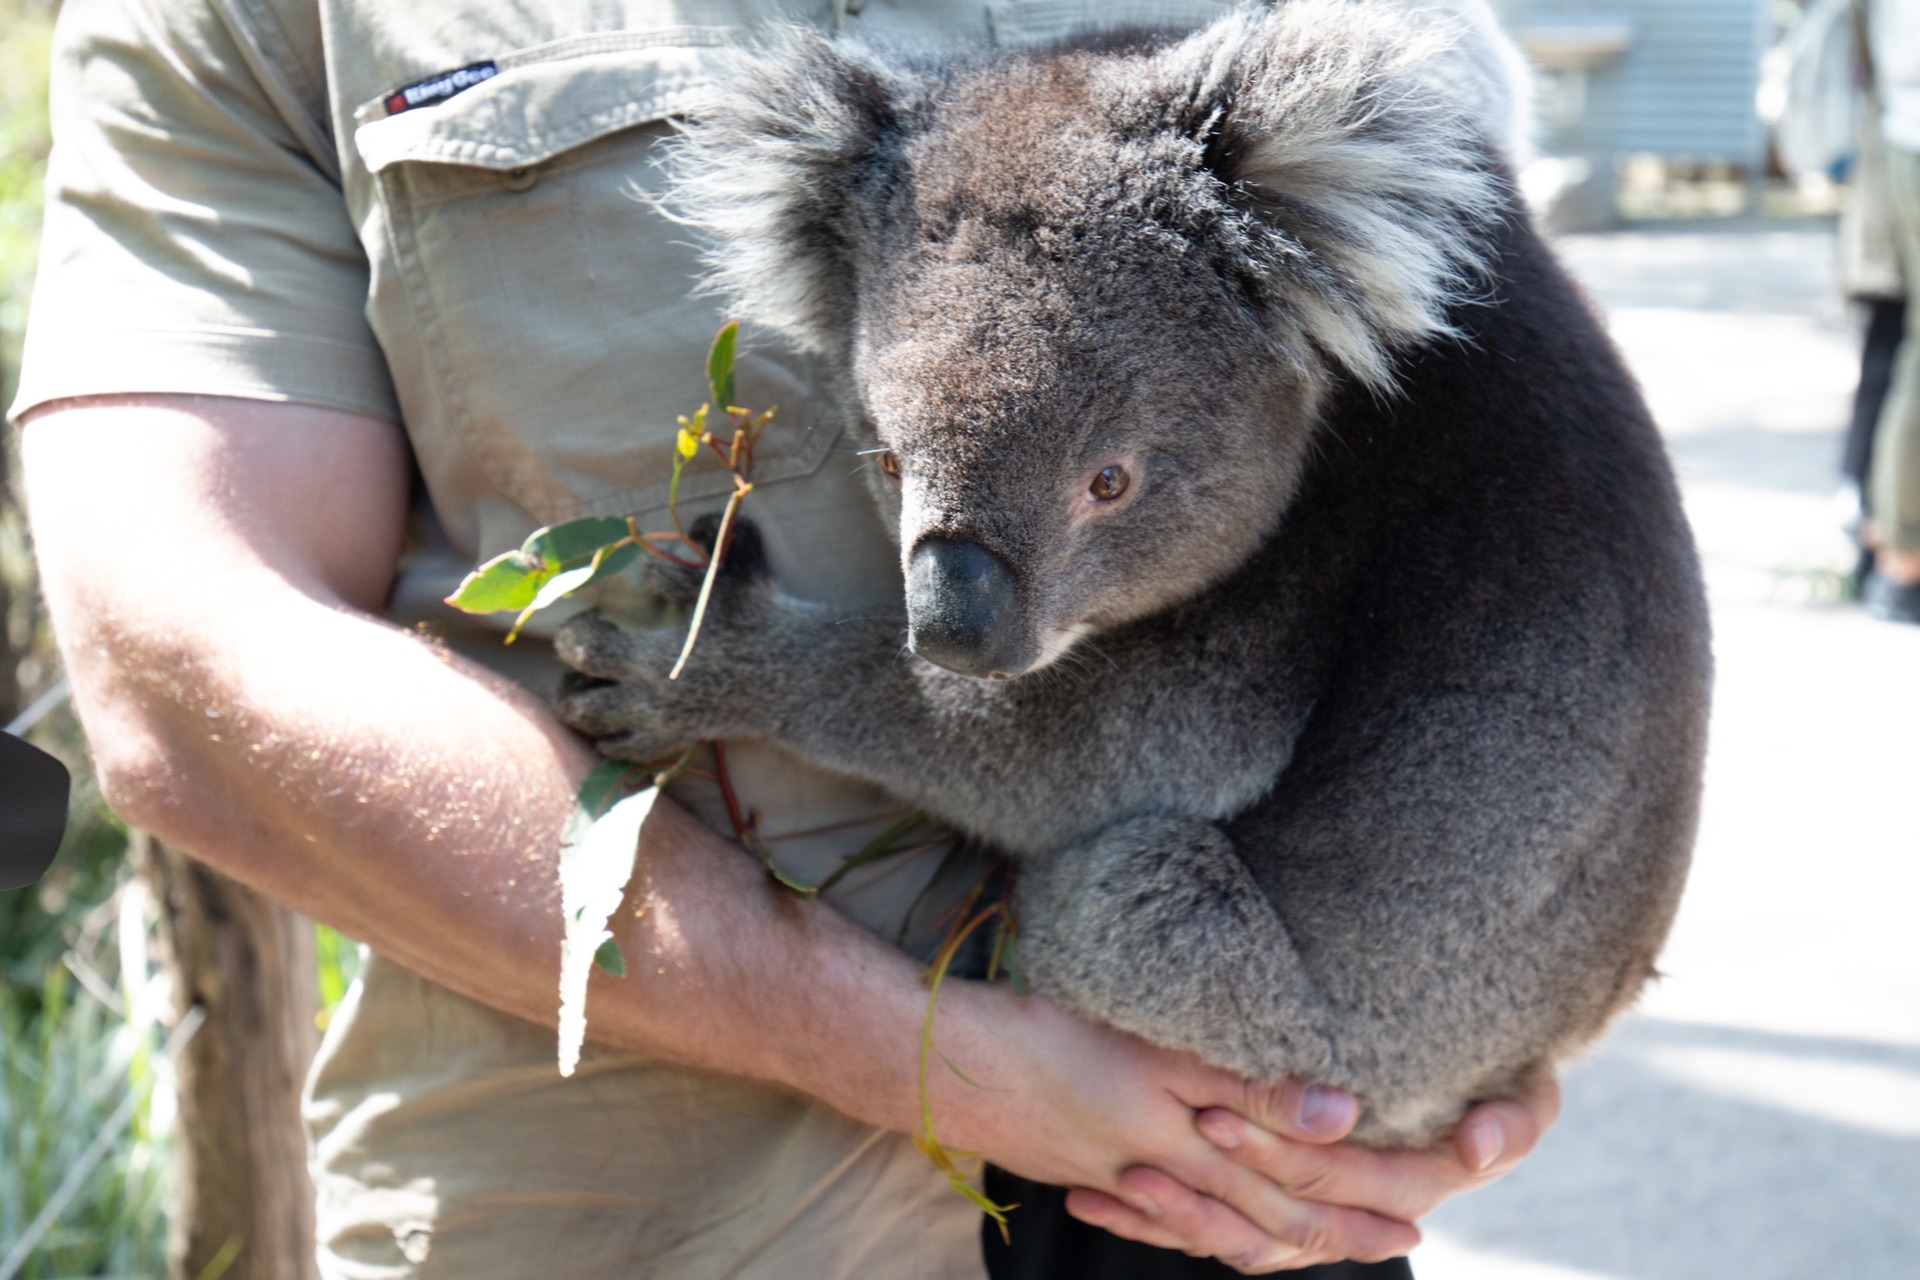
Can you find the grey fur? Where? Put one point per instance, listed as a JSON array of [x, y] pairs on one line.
[[1361, 738]]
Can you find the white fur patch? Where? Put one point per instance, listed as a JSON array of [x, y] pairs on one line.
[[763, 171], [1369, 137]]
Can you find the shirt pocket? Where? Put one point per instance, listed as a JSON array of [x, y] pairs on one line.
[[535, 307]]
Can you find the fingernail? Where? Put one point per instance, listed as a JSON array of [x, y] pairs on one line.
[[1144, 1203], [1486, 1142], [1327, 1113], [1222, 1130]]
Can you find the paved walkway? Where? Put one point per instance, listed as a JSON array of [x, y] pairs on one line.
[[1759, 1119]]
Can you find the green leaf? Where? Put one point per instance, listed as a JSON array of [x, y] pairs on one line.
[[504, 583], [602, 787], [563, 584], [998, 1212], [1010, 959], [608, 561], [608, 957], [548, 565], [798, 886], [596, 861], [611, 560], [574, 541], [720, 365]]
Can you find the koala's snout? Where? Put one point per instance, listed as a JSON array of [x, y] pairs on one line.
[[961, 612]]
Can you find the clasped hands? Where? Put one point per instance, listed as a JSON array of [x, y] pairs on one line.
[[1163, 1149]]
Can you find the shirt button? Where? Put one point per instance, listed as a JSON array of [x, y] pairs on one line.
[[519, 179]]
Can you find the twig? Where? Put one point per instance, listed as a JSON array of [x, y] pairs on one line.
[[723, 776], [929, 1145], [741, 489]]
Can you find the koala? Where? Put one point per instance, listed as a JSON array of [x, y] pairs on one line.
[[1295, 584]]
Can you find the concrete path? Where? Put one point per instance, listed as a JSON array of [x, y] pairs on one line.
[[1759, 1119]]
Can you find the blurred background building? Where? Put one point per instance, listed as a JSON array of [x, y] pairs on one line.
[[1635, 92]]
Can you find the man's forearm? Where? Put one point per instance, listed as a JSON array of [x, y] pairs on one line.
[[242, 707], [415, 802]]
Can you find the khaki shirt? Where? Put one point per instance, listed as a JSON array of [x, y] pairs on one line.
[[233, 210]]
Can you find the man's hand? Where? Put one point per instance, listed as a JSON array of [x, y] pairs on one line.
[[1168, 1151], [1291, 1143]]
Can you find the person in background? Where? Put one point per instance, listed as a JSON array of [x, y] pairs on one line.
[[1892, 532], [1871, 277], [1829, 129]]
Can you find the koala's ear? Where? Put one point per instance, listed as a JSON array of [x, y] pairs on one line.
[[1346, 130], [770, 167]]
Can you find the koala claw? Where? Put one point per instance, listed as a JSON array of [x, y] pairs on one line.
[[595, 646], [639, 748], [624, 720], [597, 708]]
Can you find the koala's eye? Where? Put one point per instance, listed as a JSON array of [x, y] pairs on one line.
[[890, 463], [1109, 484]]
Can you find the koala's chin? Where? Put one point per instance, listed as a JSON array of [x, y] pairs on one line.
[[1382, 766]]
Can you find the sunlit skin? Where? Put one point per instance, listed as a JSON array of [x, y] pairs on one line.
[[211, 567]]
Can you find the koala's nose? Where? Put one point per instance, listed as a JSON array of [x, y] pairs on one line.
[[960, 609]]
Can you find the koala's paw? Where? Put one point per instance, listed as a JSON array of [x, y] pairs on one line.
[[598, 709], [595, 646], [1157, 927], [618, 693], [742, 576]]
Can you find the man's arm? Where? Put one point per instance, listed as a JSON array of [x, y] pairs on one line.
[[210, 566]]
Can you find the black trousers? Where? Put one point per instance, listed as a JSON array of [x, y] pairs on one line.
[[1886, 325], [1050, 1245]]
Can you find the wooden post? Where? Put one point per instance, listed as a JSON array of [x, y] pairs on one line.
[[241, 1193]]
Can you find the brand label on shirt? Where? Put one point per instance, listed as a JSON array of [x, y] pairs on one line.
[[439, 87]]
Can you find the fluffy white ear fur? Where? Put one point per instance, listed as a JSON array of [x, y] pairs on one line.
[[1485, 69], [769, 168], [1362, 137]]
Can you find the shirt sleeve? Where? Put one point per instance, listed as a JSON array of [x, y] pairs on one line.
[[192, 244]]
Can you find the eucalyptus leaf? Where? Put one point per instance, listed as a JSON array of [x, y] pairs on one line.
[[505, 583], [1016, 976], [602, 787], [573, 542], [611, 560], [793, 883], [720, 365], [521, 580], [594, 870], [608, 957], [561, 584]]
